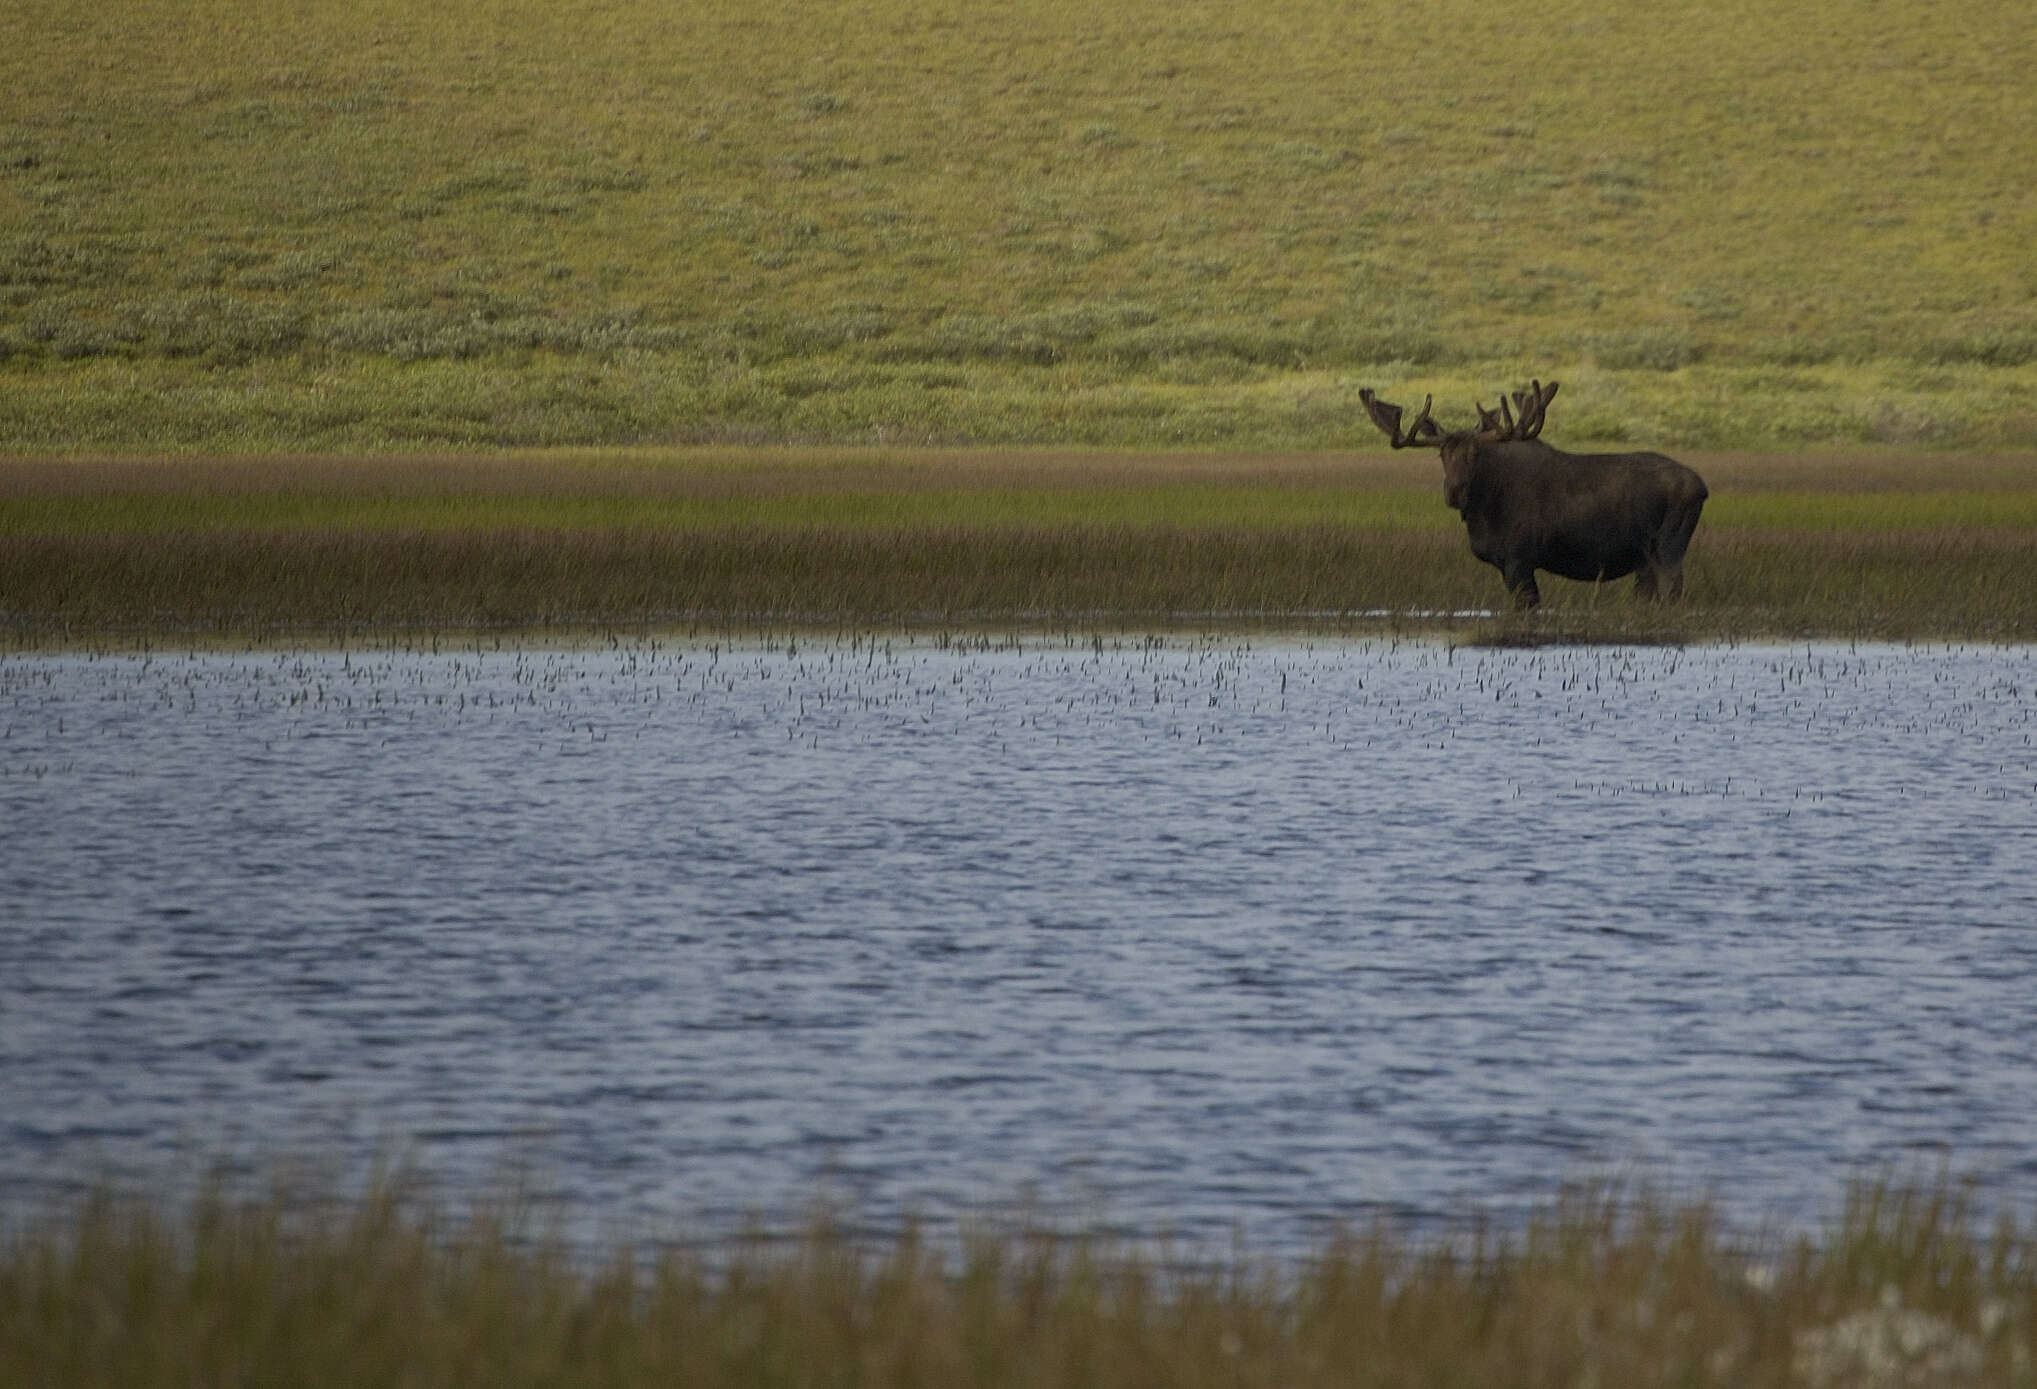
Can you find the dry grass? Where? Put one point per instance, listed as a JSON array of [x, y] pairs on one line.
[[1901, 1289]]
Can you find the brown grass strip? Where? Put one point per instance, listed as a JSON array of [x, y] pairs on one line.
[[1097, 554], [1904, 1288]]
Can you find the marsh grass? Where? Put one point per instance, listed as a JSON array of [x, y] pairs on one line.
[[1903, 1287], [370, 226], [1873, 545], [730, 577]]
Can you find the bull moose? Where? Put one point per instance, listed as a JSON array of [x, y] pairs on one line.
[[1528, 506]]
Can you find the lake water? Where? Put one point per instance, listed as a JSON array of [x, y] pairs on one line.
[[1179, 937]]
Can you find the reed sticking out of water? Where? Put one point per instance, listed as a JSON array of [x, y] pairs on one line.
[[1597, 1290]]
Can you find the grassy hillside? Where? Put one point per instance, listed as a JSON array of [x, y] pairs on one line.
[[376, 224]]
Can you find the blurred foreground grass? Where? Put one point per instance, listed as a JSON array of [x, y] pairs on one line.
[[1902, 1288], [1877, 544]]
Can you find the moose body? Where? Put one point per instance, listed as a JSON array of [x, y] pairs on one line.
[[1528, 506]]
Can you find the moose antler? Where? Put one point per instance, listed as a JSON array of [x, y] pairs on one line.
[[1522, 421], [1495, 426], [1423, 432], [1533, 405]]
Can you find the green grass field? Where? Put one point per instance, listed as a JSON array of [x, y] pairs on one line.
[[1901, 1288], [375, 226]]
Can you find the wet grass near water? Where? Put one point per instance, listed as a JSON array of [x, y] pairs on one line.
[[1877, 545], [1902, 1287]]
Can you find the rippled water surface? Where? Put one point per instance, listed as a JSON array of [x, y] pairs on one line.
[[1180, 937]]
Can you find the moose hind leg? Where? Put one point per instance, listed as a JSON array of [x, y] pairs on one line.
[[1674, 540]]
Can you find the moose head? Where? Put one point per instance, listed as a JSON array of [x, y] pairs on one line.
[[1523, 421]]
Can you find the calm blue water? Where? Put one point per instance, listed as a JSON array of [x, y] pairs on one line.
[[1184, 938]]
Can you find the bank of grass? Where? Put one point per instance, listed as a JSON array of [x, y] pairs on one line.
[[1904, 1287], [1879, 544], [370, 225], [515, 401]]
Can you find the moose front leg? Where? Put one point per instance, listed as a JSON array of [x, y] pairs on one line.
[[1520, 578]]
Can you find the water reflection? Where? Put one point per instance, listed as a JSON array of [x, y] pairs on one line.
[[1181, 936]]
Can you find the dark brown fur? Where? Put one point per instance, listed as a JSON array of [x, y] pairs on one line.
[[1527, 506], [1592, 516]]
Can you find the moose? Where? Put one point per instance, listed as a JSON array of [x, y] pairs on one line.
[[1528, 506]]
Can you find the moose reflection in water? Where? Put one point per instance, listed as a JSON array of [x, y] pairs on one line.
[[1528, 506]]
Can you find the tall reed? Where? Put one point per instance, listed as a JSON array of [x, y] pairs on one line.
[[1602, 1287]]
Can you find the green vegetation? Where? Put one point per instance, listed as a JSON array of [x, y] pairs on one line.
[[731, 540], [385, 231], [371, 225], [1901, 1289]]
